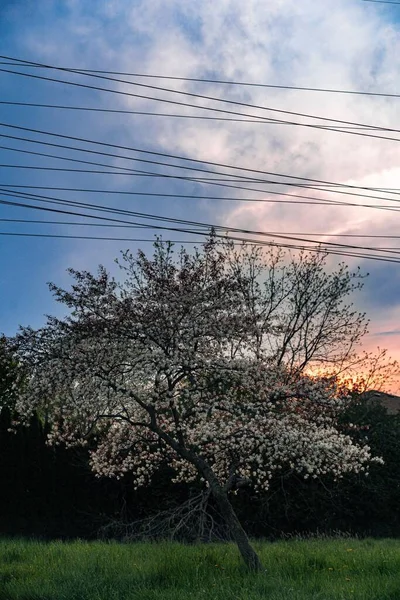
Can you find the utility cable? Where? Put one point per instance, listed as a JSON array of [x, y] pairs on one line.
[[300, 198], [291, 233], [310, 199], [173, 157], [232, 238], [207, 226], [217, 81], [158, 114], [180, 92], [186, 104]]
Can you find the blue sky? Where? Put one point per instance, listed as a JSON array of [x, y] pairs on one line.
[[346, 44]]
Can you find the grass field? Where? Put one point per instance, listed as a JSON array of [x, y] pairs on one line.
[[296, 570]]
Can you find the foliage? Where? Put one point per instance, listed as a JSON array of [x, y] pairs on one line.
[[355, 503], [11, 374]]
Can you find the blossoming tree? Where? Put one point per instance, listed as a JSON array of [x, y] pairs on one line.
[[199, 359]]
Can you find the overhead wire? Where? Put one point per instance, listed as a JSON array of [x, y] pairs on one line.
[[86, 237], [207, 226], [315, 186], [184, 158], [291, 233], [184, 93], [180, 158], [310, 200], [77, 223], [232, 238], [158, 114], [186, 104], [217, 81], [335, 246], [300, 198], [169, 228]]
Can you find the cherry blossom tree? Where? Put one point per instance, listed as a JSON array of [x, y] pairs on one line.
[[200, 359]]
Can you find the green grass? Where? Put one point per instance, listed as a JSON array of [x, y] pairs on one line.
[[322, 569]]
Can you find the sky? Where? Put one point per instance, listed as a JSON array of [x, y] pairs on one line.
[[341, 44]]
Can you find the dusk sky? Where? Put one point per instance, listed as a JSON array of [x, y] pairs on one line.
[[347, 45]]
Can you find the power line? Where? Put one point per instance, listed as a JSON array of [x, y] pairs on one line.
[[332, 250], [315, 186], [216, 81], [310, 199], [322, 201], [66, 158], [158, 114], [128, 171], [304, 199], [63, 146], [307, 200], [64, 170], [132, 95], [91, 237], [3, 187], [232, 238], [176, 166], [77, 223], [206, 226], [291, 233], [139, 112], [66, 212], [177, 157], [97, 208], [186, 104], [180, 92], [206, 233]]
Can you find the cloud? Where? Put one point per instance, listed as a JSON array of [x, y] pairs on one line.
[[348, 45], [387, 333]]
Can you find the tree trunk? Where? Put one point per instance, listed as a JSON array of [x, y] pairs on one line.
[[236, 530]]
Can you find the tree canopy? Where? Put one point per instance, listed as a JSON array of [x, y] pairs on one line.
[[200, 359]]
